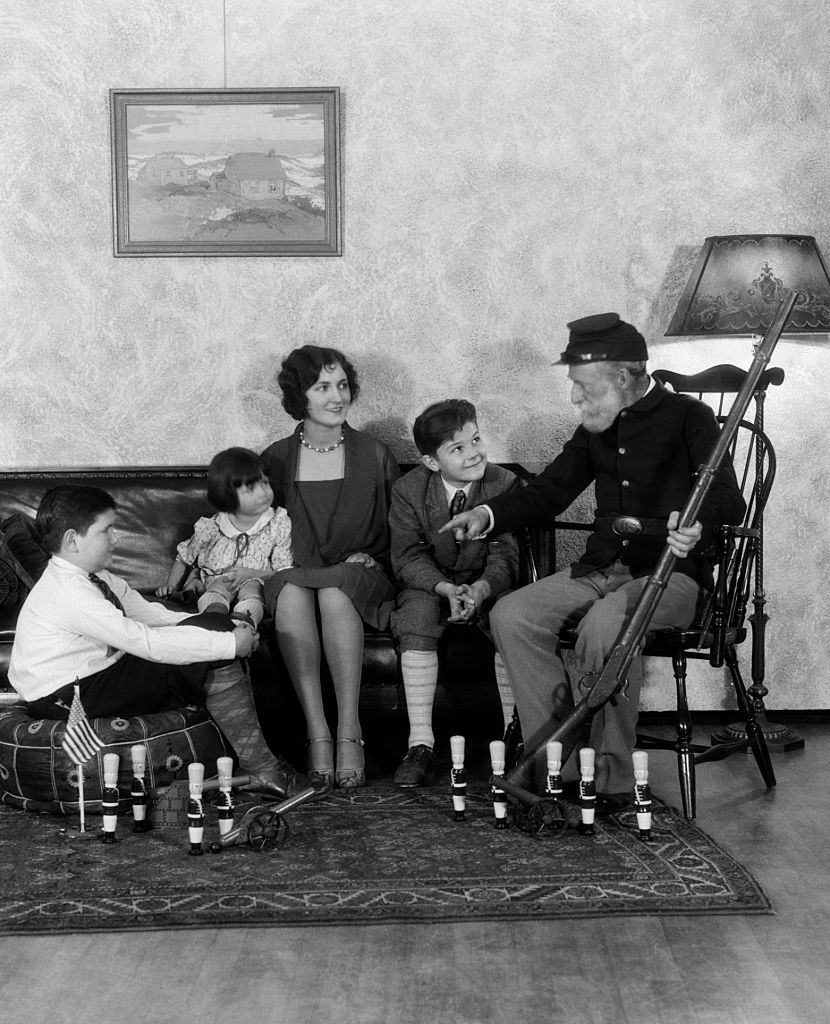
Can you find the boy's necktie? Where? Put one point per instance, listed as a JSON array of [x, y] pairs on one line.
[[106, 590], [459, 500]]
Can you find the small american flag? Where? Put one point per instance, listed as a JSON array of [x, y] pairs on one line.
[[80, 741]]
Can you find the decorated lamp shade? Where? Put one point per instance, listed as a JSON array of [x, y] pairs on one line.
[[739, 280]]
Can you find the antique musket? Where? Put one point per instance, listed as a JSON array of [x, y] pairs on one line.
[[613, 677]]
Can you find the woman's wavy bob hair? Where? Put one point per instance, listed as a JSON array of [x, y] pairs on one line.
[[302, 368]]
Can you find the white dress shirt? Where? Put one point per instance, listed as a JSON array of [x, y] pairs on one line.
[[68, 630]]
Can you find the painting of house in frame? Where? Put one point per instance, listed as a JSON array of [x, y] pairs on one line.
[[230, 173]]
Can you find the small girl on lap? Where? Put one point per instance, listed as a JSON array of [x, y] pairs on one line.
[[231, 553]]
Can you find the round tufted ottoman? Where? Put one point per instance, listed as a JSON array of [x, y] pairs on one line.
[[37, 775]]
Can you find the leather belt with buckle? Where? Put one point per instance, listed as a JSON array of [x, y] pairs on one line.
[[630, 526], [625, 526]]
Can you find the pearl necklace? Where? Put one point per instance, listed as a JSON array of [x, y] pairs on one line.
[[321, 451]]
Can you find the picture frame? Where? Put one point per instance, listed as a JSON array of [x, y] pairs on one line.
[[229, 172]]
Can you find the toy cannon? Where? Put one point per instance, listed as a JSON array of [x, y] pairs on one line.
[[262, 825]]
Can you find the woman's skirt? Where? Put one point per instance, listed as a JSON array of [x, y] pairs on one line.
[[369, 590]]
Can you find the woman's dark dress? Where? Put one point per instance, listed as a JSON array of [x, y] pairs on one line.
[[332, 519]]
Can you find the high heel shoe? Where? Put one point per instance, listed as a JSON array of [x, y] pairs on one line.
[[350, 778], [321, 776]]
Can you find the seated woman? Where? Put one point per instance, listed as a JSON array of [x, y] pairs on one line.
[[335, 483]]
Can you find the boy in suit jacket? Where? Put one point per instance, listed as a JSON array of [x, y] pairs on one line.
[[439, 580]]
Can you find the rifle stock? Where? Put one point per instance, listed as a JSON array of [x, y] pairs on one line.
[[614, 674]]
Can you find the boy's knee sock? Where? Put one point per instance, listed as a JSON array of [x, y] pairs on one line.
[[210, 601], [230, 702], [505, 690], [420, 677]]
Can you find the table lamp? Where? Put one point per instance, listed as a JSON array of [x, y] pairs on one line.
[[738, 281]]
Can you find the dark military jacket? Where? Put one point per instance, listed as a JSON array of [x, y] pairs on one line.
[[643, 465]]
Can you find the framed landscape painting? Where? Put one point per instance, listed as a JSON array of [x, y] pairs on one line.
[[233, 172]]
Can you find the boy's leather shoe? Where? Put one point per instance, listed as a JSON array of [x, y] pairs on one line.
[[273, 785], [416, 768], [280, 782]]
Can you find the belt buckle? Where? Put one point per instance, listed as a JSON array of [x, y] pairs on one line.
[[626, 526]]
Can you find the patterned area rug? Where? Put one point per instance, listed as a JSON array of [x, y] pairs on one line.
[[382, 856]]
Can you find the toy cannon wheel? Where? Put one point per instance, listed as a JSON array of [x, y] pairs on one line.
[[544, 818], [267, 831]]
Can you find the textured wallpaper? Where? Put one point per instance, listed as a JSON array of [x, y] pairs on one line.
[[507, 166]]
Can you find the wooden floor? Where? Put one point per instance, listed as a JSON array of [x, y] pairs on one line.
[[681, 970]]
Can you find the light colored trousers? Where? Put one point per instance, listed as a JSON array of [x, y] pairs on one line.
[[526, 626]]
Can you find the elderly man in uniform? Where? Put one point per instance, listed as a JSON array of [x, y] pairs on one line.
[[641, 446]]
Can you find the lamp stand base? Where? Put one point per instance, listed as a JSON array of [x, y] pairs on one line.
[[779, 738]]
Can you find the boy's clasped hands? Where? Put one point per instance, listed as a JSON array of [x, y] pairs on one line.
[[465, 599]]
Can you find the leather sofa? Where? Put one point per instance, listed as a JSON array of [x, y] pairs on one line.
[[157, 507]]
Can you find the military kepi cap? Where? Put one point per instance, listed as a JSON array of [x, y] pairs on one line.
[[603, 337]]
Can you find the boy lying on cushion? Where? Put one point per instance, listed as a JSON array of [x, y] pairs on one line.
[[128, 656]]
